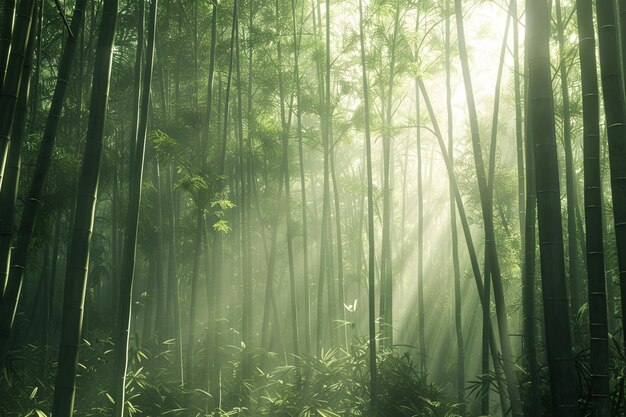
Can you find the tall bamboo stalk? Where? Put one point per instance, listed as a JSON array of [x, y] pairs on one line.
[[35, 191], [78, 253], [386, 261], [480, 286], [458, 319], [13, 76], [487, 213], [6, 34], [596, 275], [305, 238], [10, 186], [371, 280], [555, 303], [615, 112], [132, 220], [571, 191]]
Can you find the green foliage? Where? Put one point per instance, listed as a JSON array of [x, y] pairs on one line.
[[196, 186], [335, 384], [24, 395], [617, 365], [167, 148], [220, 206]]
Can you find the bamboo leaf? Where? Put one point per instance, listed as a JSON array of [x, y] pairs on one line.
[[109, 397], [327, 413]]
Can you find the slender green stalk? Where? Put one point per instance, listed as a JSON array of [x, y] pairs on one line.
[[6, 34], [215, 329], [167, 209], [621, 9], [10, 186], [132, 221], [420, 237], [484, 304], [79, 247], [246, 253], [139, 52], [596, 276], [529, 310], [487, 213], [193, 295], [386, 257], [287, 180], [371, 280], [305, 240], [571, 191], [13, 77], [519, 136], [8, 194], [458, 319], [35, 191], [615, 112], [36, 78], [563, 381]]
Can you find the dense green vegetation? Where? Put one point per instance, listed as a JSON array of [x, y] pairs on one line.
[[312, 208]]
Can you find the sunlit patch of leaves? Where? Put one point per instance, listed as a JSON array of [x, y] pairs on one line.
[[337, 384], [166, 147], [220, 206]]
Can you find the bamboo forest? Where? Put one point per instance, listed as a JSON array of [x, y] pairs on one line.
[[312, 208]]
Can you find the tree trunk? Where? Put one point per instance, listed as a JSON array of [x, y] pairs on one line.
[[340, 278], [420, 238], [50, 302], [371, 280], [173, 328], [193, 295], [571, 191], [562, 371], [148, 310], [487, 213], [246, 244], [458, 319], [325, 265], [13, 77], [621, 9], [8, 194], [10, 186], [615, 112], [34, 196], [137, 85], [286, 178], [490, 188], [386, 257], [78, 253], [215, 329], [598, 322], [34, 97], [529, 309], [8, 16], [198, 235], [609, 266], [305, 238], [132, 218], [485, 306], [519, 135]]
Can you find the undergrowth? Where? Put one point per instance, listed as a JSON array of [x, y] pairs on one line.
[[334, 384]]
